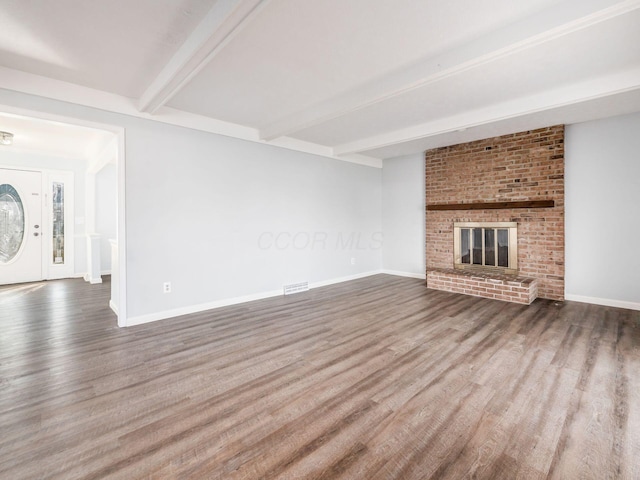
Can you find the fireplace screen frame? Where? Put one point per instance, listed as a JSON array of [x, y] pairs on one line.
[[511, 227]]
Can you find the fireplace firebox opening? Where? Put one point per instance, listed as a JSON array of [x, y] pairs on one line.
[[489, 247]]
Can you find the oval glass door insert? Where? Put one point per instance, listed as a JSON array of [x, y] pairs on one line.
[[11, 223]]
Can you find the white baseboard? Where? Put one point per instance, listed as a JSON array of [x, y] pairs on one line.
[[176, 312], [348, 278], [87, 278], [421, 276], [113, 307], [607, 302], [105, 272]]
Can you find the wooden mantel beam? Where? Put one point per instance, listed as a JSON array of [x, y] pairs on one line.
[[493, 205]]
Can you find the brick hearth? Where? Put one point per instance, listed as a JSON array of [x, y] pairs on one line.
[[500, 287]]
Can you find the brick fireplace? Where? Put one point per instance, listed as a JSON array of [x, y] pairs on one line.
[[513, 179]]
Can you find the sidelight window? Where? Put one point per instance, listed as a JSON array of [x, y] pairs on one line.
[[58, 222]]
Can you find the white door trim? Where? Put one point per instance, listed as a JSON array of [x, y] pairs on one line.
[[121, 237], [121, 169]]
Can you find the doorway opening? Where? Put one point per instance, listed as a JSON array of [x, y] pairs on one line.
[[63, 202]]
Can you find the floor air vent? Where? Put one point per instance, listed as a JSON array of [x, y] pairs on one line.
[[296, 287]]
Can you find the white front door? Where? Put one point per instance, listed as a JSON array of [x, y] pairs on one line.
[[20, 226]]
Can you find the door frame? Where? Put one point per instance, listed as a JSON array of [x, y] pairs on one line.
[[121, 170]]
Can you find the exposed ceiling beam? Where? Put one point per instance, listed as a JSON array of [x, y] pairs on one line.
[[562, 19], [225, 19], [612, 84]]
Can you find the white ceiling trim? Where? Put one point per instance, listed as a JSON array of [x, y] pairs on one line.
[[225, 20], [592, 89], [68, 92], [565, 18]]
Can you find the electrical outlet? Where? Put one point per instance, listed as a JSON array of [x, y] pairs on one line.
[[353, 261], [166, 287]]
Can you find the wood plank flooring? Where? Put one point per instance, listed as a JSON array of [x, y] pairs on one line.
[[378, 378]]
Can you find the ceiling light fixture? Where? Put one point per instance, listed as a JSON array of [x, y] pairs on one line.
[[6, 138]]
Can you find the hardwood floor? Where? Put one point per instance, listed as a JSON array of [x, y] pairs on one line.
[[378, 378]]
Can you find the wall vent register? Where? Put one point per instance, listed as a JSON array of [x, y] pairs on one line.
[[490, 247], [296, 287]]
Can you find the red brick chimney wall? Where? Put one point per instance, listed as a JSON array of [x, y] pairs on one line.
[[518, 167]]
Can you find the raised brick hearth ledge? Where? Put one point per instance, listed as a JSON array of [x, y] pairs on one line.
[[500, 287]]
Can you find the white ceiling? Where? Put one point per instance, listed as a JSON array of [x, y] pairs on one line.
[[354, 79]]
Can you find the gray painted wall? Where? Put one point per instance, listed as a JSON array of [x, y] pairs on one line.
[[403, 215], [602, 167], [222, 218]]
